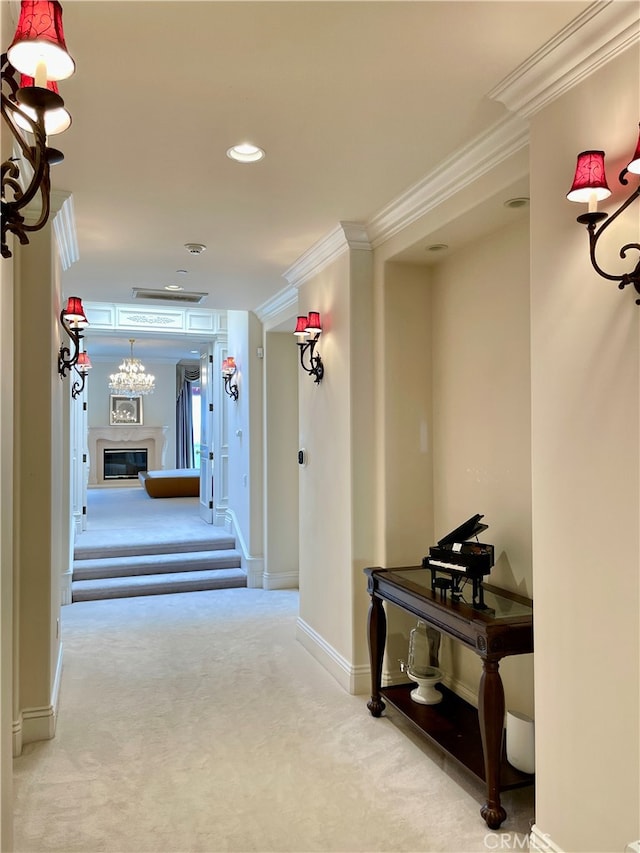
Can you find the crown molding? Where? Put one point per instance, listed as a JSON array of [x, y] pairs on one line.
[[602, 32], [459, 170], [64, 226], [284, 302], [346, 235]]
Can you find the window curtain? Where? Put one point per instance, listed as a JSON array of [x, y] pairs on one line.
[[185, 378]]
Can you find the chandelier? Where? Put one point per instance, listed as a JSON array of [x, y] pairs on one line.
[[131, 380]]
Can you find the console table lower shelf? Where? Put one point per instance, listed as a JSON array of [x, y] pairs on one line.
[[453, 726]]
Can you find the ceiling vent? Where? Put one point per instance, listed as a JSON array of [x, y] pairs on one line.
[[192, 297]]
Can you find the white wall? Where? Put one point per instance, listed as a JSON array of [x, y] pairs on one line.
[[245, 435], [586, 496]]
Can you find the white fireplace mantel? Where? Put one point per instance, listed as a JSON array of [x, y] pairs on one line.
[[153, 439]]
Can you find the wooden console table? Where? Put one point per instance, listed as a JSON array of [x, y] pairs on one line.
[[474, 738]]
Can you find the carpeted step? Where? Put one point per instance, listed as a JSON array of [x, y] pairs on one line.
[[126, 544], [153, 564], [162, 584]]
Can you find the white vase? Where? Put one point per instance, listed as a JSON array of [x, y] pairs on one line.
[[520, 742]]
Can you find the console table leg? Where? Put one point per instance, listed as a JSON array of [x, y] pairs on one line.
[[491, 716], [377, 638]]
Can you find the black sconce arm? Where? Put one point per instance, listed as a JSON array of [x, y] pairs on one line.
[[78, 387], [66, 360], [14, 197], [231, 388], [316, 367], [591, 220]]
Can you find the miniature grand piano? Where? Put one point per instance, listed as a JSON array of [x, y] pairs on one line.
[[459, 560]]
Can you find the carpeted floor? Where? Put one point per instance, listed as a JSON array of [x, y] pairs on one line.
[[197, 724]]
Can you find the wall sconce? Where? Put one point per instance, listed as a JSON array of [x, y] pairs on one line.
[[32, 111], [82, 367], [229, 370], [590, 186], [73, 320], [308, 330]]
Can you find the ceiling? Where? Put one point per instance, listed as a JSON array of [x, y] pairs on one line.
[[353, 103]]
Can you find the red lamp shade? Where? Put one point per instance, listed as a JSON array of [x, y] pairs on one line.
[[634, 165], [56, 120], [229, 366], [83, 363], [590, 181], [314, 326], [301, 327], [39, 39], [74, 313]]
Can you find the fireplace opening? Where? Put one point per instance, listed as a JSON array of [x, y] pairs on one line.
[[124, 464]]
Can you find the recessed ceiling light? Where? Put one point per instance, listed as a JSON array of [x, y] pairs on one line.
[[173, 287], [517, 202], [245, 153], [181, 272], [437, 247]]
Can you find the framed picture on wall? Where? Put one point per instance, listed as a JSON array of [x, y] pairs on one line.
[[125, 411]]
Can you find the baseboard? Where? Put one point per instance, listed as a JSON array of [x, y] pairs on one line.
[[280, 580], [65, 587], [252, 566], [353, 679], [540, 842], [38, 723]]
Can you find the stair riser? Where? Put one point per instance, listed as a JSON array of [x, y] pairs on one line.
[[125, 569], [156, 589], [89, 553]]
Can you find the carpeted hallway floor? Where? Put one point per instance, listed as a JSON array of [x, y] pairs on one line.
[[196, 722]]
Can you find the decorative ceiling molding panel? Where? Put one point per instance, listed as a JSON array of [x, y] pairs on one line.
[[283, 304], [593, 39], [130, 318]]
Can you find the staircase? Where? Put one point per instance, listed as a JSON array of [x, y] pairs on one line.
[[120, 569]]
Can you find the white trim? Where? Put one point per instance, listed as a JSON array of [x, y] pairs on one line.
[[346, 235], [283, 303], [252, 566], [353, 679], [39, 723], [65, 587], [110, 316], [280, 580], [462, 168], [591, 40], [540, 842], [64, 227]]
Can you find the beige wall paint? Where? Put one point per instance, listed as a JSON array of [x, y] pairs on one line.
[[38, 451], [281, 465], [325, 482], [586, 503], [482, 423]]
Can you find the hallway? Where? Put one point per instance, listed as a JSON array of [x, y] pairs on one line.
[[197, 723]]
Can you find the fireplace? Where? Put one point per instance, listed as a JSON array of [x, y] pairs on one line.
[[153, 440], [124, 464]]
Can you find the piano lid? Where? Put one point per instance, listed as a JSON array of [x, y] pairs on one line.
[[471, 527]]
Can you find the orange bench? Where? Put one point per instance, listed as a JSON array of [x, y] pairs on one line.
[[171, 483]]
